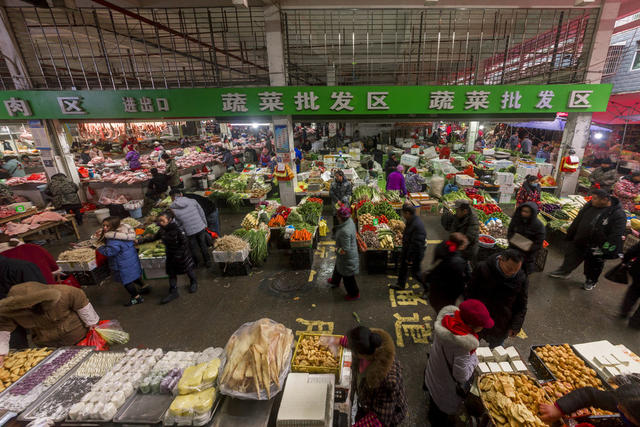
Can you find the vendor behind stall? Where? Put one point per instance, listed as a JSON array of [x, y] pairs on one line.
[[395, 181], [133, 158], [6, 195], [64, 193], [530, 191], [340, 190], [56, 315], [13, 167], [172, 172], [604, 176]]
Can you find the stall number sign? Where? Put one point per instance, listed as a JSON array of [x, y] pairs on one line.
[[304, 101]]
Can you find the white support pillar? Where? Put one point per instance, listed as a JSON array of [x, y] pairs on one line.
[[575, 138], [13, 58], [282, 125], [472, 135], [331, 81], [577, 130]]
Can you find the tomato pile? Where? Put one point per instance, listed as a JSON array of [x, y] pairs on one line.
[[284, 211], [488, 208], [486, 239], [315, 200], [383, 219]]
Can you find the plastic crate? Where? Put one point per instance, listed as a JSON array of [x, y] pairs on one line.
[[318, 369], [301, 258], [93, 277], [242, 268]]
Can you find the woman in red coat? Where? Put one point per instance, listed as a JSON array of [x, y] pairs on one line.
[[16, 249]]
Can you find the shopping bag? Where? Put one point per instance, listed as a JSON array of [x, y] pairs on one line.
[[541, 259], [618, 274], [369, 420], [112, 332], [93, 339]]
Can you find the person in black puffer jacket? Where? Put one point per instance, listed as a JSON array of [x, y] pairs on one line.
[[632, 258], [450, 272], [503, 287], [413, 247], [526, 223], [179, 259], [595, 235], [625, 400], [464, 221]]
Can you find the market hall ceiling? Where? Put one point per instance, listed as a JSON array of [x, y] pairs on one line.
[[124, 46]]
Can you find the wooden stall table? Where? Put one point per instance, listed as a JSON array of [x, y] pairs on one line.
[[19, 216], [53, 226]]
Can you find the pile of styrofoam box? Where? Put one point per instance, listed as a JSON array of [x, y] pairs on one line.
[[504, 178], [499, 360], [608, 359], [463, 179]]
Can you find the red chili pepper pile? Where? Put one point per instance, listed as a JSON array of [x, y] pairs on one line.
[[314, 200], [488, 208], [383, 219], [477, 197], [359, 204], [486, 239], [368, 227], [284, 211]]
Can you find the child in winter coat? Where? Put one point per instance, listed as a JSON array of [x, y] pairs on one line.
[[123, 258]]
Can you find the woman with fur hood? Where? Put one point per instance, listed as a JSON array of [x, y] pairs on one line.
[[56, 315], [125, 266], [377, 378], [452, 358]]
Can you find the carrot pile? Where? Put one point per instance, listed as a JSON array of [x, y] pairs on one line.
[[301, 235], [277, 221]]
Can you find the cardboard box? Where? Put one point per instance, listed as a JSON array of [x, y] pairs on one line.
[[504, 178], [429, 207]]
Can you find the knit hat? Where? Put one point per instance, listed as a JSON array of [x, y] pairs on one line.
[[474, 313], [344, 212], [414, 170], [400, 168]]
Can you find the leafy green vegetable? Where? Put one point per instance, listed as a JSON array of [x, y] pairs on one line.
[[257, 241], [385, 208], [310, 212]]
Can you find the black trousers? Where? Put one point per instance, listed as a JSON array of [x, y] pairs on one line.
[[630, 299], [76, 212], [18, 338], [403, 271], [593, 264], [198, 243], [173, 280], [437, 418], [131, 287], [350, 284]]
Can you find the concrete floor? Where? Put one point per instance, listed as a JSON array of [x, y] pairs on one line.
[[559, 310]]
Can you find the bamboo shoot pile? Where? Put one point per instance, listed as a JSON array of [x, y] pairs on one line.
[[258, 357]]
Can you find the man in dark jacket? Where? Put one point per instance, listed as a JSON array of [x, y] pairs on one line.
[[526, 233], [413, 246], [625, 400], [158, 184], [503, 287], [464, 221], [450, 272], [595, 235], [391, 164], [210, 211]]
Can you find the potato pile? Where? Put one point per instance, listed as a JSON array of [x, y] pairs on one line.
[[567, 367], [511, 399], [19, 363], [557, 389], [312, 352], [365, 219]]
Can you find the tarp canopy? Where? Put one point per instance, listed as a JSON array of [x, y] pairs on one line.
[[622, 109], [557, 125]]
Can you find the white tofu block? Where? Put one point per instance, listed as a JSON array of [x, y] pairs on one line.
[[505, 367], [610, 371], [494, 367], [519, 366], [601, 361], [512, 353], [483, 368], [484, 354], [500, 354]]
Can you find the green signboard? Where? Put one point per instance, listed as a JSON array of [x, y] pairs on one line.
[[304, 101]]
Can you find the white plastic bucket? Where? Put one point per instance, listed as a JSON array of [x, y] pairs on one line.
[[102, 214], [135, 213]]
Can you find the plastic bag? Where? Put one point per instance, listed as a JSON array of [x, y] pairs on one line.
[[69, 280], [199, 377], [112, 332], [93, 339], [618, 274], [263, 347]]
